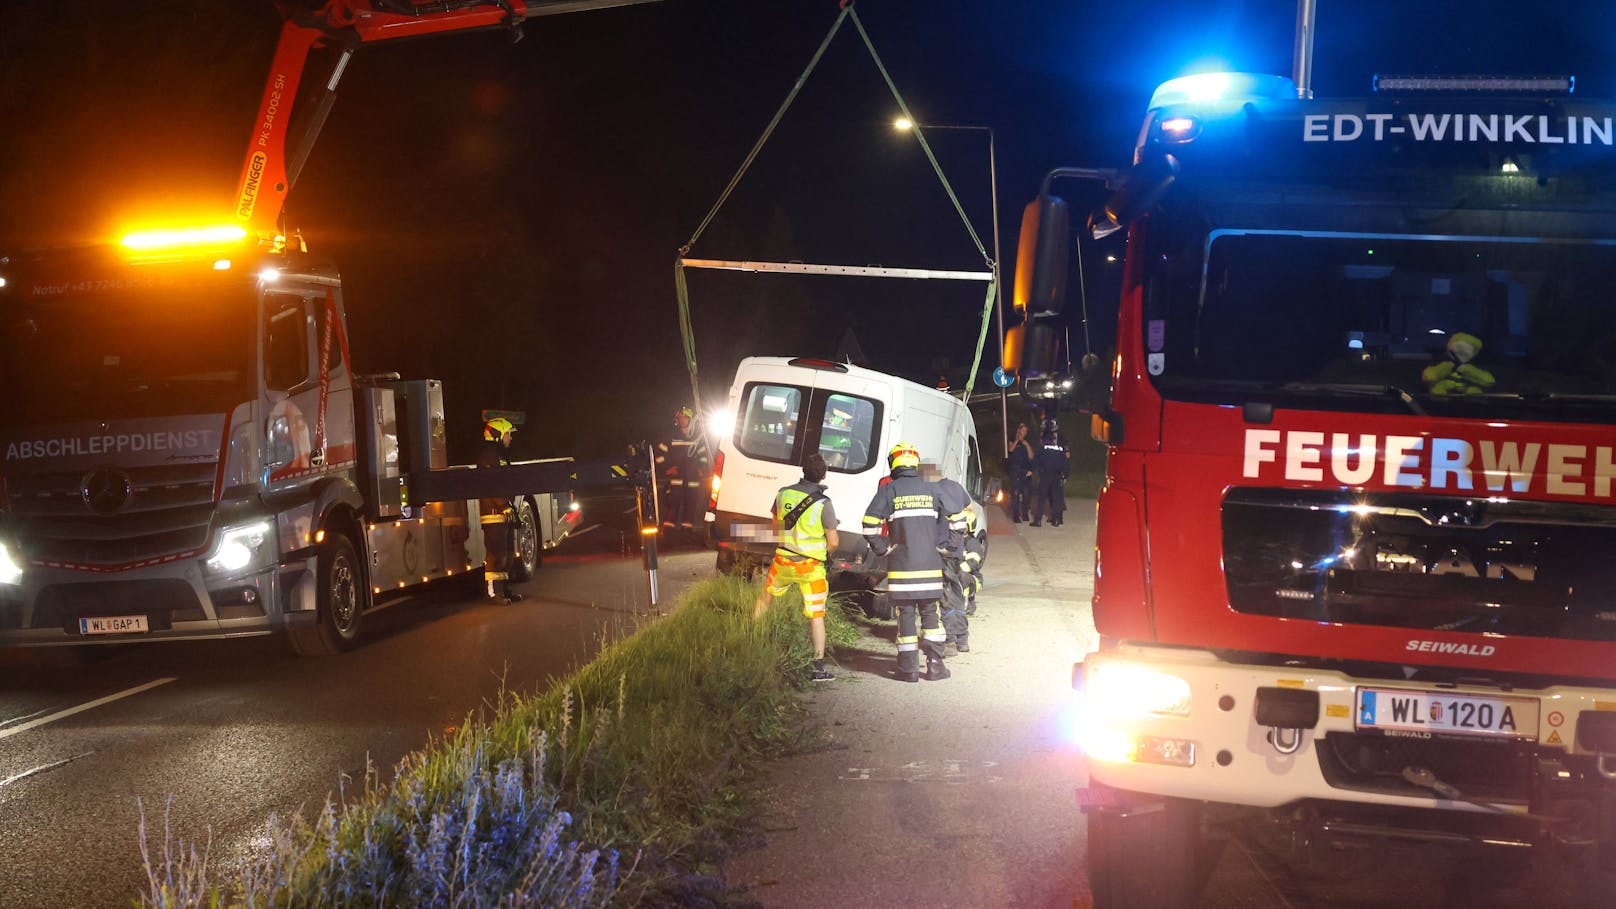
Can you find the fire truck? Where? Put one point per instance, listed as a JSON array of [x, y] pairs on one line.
[[1353, 565], [187, 449]]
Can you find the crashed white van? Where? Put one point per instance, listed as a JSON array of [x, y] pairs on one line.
[[781, 410]]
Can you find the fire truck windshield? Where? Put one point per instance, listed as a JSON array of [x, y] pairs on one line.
[[1516, 328], [98, 357]]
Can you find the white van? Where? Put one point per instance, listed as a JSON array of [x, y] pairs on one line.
[[785, 409]]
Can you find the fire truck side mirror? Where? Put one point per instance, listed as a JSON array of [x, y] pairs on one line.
[[1141, 189], [1041, 257]]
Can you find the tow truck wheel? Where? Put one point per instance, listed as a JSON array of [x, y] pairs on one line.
[[1151, 857], [525, 526], [339, 602]]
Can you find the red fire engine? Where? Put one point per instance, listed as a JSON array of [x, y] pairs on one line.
[[1354, 570]]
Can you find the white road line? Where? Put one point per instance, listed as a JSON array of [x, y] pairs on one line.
[[90, 705], [44, 768]]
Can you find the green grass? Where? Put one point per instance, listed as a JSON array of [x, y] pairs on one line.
[[624, 784]]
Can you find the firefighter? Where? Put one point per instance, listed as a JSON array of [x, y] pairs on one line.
[[496, 515], [959, 584], [1052, 462], [805, 524], [911, 510], [683, 465]]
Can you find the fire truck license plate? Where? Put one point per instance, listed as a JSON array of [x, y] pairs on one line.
[[1447, 713], [113, 624]]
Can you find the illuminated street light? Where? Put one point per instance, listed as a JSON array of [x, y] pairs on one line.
[[904, 124]]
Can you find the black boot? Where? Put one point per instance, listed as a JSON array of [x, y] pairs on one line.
[[936, 671]]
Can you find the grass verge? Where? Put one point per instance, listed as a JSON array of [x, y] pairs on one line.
[[622, 785]]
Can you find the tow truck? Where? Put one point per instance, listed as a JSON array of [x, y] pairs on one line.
[[187, 449], [1335, 594]]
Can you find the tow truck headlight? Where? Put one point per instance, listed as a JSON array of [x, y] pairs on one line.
[[10, 566], [239, 548]]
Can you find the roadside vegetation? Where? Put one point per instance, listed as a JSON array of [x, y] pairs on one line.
[[622, 785]]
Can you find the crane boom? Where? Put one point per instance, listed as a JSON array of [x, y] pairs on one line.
[[269, 170]]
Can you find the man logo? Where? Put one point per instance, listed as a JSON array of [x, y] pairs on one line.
[[106, 490]]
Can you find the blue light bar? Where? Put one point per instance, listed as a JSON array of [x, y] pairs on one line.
[[1204, 88]]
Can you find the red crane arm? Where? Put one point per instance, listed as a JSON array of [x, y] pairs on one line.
[[269, 170]]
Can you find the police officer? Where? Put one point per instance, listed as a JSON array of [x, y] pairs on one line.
[[1020, 470], [683, 465], [1052, 463], [910, 510], [496, 514]]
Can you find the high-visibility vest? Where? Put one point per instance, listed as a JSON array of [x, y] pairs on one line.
[[807, 536]]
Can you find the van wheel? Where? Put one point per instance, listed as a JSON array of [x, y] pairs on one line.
[[340, 600], [880, 607], [725, 561], [1156, 857], [525, 527]]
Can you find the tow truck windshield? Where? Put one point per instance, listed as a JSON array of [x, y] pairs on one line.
[[1366, 322], [151, 353]]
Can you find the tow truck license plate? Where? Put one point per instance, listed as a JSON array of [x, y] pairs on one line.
[[113, 624], [1447, 713]]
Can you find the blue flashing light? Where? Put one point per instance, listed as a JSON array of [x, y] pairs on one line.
[[1204, 88]]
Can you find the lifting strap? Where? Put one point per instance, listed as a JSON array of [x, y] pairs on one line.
[[680, 262]]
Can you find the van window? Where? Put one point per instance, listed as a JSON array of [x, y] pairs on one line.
[[973, 469], [770, 413], [848, 434]]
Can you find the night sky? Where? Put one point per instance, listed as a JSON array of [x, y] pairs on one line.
[[506, 216]]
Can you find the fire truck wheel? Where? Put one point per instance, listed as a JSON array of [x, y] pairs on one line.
[[1156, 859], [339, 599], [525, 526]]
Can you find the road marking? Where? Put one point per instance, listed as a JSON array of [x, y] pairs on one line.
[[944, 771], [91, 705], [43, 768]]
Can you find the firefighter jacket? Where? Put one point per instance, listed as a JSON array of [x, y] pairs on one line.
[[684, 460], [912, 510], [494, 510], [806, 537]]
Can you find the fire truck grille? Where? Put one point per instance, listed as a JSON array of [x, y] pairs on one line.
[[1486, 770], [1537, 569], [163, 602], [113, 517]]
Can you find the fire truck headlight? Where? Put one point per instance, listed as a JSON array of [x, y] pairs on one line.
[[239, 548], [1122, 690], [10, 566]]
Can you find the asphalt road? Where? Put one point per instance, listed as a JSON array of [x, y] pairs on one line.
[[221, 735], [962, 793]]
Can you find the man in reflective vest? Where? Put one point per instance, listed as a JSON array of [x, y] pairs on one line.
[[495, 516], [910, 509], [805, 524]]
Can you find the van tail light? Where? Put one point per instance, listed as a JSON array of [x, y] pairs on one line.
[[718, 481]]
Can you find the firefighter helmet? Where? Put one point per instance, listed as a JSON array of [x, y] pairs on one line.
[[686, 412], [495, 429], [903, 454]]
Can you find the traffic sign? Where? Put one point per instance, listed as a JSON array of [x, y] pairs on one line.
[[1002, 378]]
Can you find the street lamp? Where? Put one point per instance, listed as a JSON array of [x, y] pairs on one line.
[[904, 123]]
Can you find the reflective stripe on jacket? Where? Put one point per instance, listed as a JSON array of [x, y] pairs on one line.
[[913, 513]]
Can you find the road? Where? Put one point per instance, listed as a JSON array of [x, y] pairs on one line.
[[962, 793], [224, 734]]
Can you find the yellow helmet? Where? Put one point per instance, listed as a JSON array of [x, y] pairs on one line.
[[903, 454], [495, 429]]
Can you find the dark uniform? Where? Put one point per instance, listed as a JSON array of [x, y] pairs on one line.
[[958, 582], [684, 462], [1020, 469], [1052, 465], [910, 509], [495, 514]]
